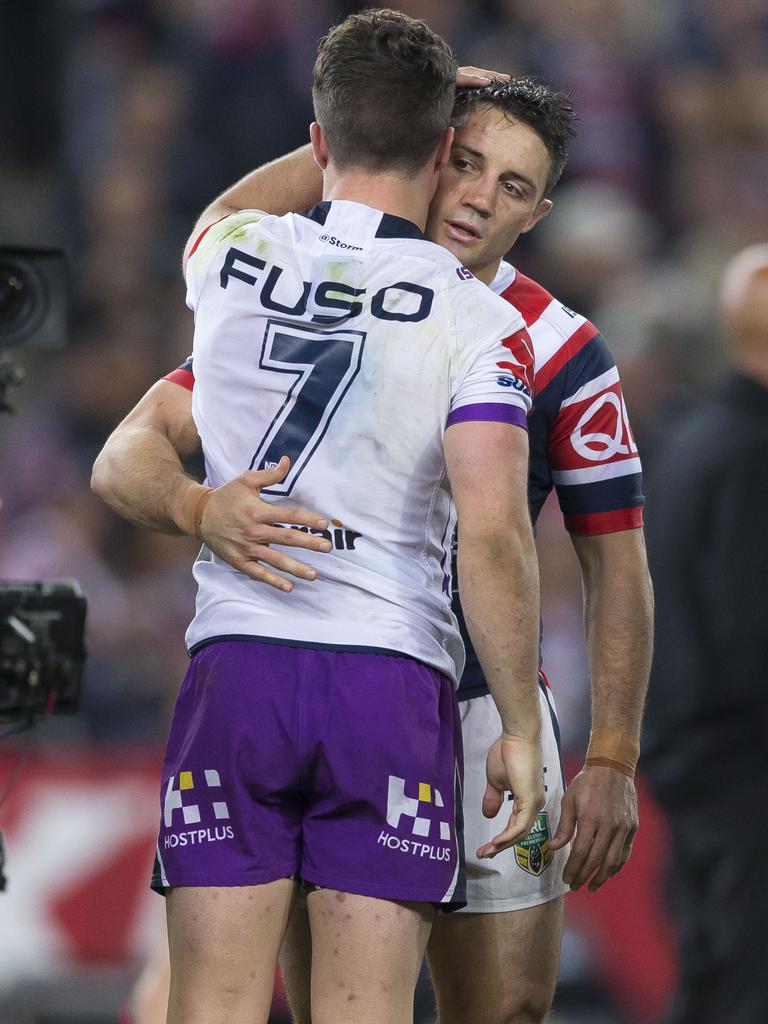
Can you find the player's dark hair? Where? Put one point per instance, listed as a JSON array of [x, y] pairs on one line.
[[529, 101], [384, 87]]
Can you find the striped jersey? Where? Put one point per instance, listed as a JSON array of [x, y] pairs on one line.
[[581, 442], [346, 340]]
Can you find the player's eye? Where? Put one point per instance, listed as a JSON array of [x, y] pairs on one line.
[[511, 189], [461, 164]]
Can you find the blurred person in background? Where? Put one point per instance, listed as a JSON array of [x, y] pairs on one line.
[[369, 156], [707, 711], [510, 146], [699, 105]]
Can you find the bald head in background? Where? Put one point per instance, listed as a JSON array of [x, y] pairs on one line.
[[744, 307]]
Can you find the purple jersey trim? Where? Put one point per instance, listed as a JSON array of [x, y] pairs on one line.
[[498, 412]]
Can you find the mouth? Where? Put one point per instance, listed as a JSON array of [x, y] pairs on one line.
[[462, 231]]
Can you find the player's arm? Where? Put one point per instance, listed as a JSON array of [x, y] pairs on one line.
[[601, 803], [498, 571], [139, 473], [292, 182]]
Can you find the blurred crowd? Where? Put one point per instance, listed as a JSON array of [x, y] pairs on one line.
[[128, 116]]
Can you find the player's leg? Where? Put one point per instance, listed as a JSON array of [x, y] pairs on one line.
[[366, 957], [223, 945], [230, 830], [514, 902], [148, 1002], [296, 962], [381, 833], [496, 968]]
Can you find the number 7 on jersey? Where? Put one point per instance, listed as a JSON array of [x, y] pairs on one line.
[[319, 367]]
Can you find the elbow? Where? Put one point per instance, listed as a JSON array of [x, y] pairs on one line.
[[502, 542], [100, 475]]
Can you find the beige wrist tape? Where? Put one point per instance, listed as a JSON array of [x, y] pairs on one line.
[[190, 511], [197, 515], [609, 748]]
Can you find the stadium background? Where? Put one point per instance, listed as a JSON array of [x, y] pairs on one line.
[[119, 120]]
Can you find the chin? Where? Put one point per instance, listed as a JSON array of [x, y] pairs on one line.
[[461, 250]]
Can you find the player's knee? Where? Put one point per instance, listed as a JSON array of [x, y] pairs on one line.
[[528, 1008], [521, 1008]]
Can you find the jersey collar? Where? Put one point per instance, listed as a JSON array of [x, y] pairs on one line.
[[390, 226]]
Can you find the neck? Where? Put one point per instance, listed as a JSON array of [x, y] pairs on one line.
[[487, 273], [390, 193]]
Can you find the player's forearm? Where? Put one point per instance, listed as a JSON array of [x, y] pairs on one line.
[[618, 618], [499, 581], [139, 474], [292, 182]]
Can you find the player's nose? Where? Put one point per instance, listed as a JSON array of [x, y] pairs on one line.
[[480, 199]]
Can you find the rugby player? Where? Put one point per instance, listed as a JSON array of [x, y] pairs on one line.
[[316, 733], [497, 960]]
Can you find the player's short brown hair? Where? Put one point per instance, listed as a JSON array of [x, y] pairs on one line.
[[529, 101], [383, 90]]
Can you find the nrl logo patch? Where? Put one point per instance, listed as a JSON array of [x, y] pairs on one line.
[[533, 853]]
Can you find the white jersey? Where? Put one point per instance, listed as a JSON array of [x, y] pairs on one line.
[[347, 341]]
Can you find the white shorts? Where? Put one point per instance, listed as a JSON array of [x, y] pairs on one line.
[[530, 873]]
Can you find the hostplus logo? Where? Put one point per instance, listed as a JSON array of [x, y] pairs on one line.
[[187, 799], [422, 817]]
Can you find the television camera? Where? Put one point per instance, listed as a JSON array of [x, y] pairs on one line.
[[42, 622]]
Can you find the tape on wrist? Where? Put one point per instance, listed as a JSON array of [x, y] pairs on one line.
[[609, 748], [197, 515]]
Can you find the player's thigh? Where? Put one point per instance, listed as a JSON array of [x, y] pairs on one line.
[[531, 872], [380, 807], [296, 962], [149, 998], [223, 944], [496, 968], [366, 957], [230, 809]]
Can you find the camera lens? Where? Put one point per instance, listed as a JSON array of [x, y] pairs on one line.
[[22, 301], [14, 297]]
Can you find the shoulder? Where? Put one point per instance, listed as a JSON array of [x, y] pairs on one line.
[[531, 298], [232, 225], [569, 349], [480, 308]]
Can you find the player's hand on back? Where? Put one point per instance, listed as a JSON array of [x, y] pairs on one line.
[[239, 526], [477, 78], [515, 766], [600, 807]]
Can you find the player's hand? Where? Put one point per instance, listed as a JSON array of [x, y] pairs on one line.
[[477, 78], [513, 765], [238, 526], [600, 806]]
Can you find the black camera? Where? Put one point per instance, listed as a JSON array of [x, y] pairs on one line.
[[34, 307], [33, 298], [42, 623], [42, 651]]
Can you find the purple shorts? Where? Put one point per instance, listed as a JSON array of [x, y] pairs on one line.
[[340, 768]]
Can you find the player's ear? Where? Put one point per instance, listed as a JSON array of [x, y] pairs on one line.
[[319, 147], [444, 149], [538, 214]]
